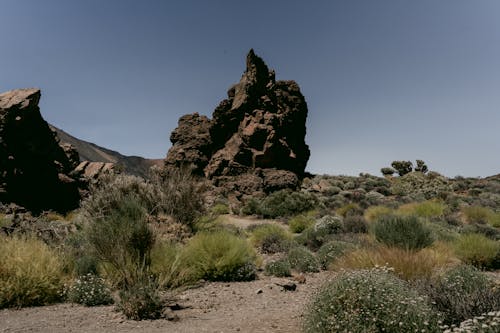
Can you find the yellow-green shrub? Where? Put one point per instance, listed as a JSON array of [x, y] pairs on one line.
[[270, 238], [301, 222], [219, 256], [478, 214], [373, 213], [168, 265], [408, 265], [477, 250], [427, 209], [30, 273]]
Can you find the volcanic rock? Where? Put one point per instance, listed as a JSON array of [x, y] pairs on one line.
[[34, 168], [259, 130]]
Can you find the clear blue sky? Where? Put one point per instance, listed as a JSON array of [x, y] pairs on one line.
[[384, 80]]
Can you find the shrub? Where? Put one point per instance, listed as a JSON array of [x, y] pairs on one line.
[[220, 209], [374, 213], [406, 232], [332, 250], [427, 209], [123, 239], [286, 203], [270, 238], [279, 268], [369, 301], [30, 273], [386, 171], [481, 215], [300, 223], [462, 293], [402, 167], [302, 260], [408, 265], [323, 230], [477, 250], [89, 290], [355, 224], [349, 209], [485, 323], [141, 301], [219, 256], [168, 265]]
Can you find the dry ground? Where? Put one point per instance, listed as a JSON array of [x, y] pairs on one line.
[[256, 306]]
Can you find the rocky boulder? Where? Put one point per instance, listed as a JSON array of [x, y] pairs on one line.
[[34, 168], [259, 129]]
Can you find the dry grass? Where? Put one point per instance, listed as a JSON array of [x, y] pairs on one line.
[[409, 265], [30, 273]]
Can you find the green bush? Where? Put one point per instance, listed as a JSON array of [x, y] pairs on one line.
[[374, 213], [168, 265], [481, 215], [349, 209], [220, 209], [219, 256], [31, 273], [427, 209], [462, 293], [355, 224], [141, 301], [302, 260], [300, 223], [89, 290], [122, 239], [270, 238], [485, 323], [332, 250], [478, 250], [321, 232], [283, 203], [406, 232], [369, 301], [279, 268]]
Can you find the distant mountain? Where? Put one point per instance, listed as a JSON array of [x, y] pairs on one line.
[[88, 151]]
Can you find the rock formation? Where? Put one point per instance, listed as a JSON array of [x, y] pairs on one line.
[[35, 171], [259, 130]]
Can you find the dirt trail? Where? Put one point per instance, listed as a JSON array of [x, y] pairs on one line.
[[256, 306]]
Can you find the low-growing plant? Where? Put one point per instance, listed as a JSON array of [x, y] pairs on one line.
[[478, 250], [374, 213], [300, 223], [369, 301], [408, 265], [141, 301], [349, 209], [462, 293], [168, 265], [426, 209], [219, 256], [89, 290], [406, 232], [481, 215], [31, 273], [270, 238], [323, 230], [355, 224], [332, 250], [302, 260], [220, 209], [485, 323], [279, 268], [285, 203]]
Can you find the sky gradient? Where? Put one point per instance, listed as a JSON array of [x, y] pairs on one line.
[[384, 80]]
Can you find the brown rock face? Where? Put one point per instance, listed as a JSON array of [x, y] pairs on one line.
[[260, 126], [34, 169]]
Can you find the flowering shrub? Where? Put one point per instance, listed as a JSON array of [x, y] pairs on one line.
[[89, 290], [279, 268], [369, 301], [485, 323], [302, 260]]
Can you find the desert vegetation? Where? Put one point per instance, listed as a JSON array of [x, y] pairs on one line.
[[410, 253]]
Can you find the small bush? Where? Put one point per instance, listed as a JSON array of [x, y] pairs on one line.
[[321, 232], [426, 209], [349, 209], [279, 268], [122, 239], [141, 301], [300, 223], [219, 256], [89, 290], [374, 213], [270, 238], [406, 232], [285, 203], [462, 293], [332, 250], [485, 323], [168, 265], [477, 250], [220, 209], [302, 260], [355, 224], [30, 273], [481, 215], [408, 265], [369, 301]]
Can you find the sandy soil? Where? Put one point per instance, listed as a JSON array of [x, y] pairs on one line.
[[256, 306]]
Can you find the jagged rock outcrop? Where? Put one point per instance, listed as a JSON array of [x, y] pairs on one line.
[[93, 170], [35, 171], [259, 129]]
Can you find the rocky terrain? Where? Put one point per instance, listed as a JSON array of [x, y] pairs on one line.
[[255, 139]]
